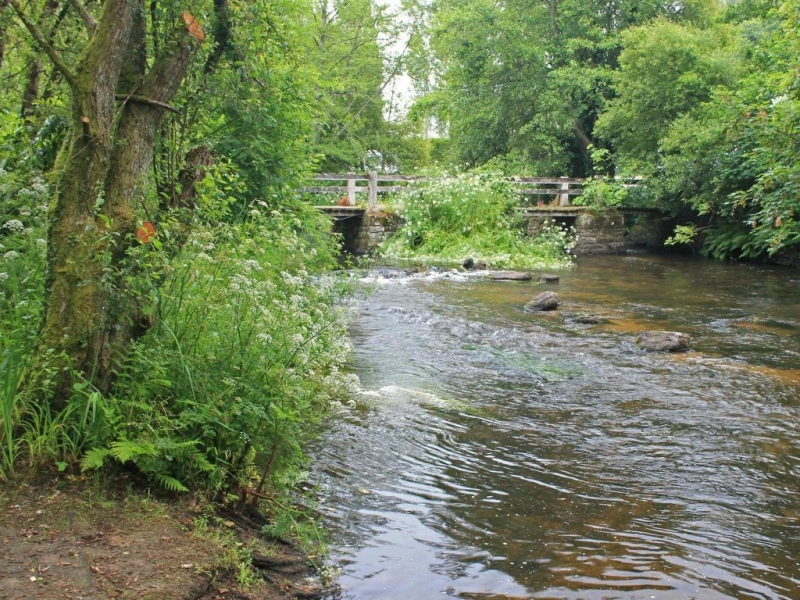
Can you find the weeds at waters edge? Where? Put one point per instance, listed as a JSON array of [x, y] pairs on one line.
[[242, 361], [472, 215]]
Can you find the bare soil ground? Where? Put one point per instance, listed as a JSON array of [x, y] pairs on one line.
[[69, 540]]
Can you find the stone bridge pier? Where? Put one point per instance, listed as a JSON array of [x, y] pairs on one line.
[[363, 231], [607, 231]]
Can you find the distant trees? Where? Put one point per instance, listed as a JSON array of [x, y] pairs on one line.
[[712, 114], [527, 81], [700, 95]]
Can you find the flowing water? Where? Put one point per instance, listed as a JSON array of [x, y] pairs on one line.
[[495, 453]]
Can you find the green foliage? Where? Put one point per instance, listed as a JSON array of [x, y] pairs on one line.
[[683, 234], [471, 215], [666, 69], [529, 78], [602, 193], [732, 158], [343, 46], [244, 356], [261, 122], [24, 426]]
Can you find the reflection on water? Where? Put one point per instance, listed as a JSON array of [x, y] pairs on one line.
[[500, 454]]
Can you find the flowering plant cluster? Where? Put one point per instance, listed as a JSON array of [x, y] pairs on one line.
[[471, 215], [23, 203], [245, 355]]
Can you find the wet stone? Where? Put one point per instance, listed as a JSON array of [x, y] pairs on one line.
[[542, 302], [585, 319], [663, 341], [510, 276], [547, 278]]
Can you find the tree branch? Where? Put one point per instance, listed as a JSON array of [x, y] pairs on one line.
[[150, 101], [88, 20], [43, 43]]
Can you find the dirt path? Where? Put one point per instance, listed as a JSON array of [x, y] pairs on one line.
[[69, 541]]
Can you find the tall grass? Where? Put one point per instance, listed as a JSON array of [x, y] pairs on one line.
[[24, 423]]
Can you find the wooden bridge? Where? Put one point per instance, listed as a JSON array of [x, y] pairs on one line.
[[364, 225], [553, 192]]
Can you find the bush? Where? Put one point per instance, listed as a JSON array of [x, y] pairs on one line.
[[244, 357], [471, 215]]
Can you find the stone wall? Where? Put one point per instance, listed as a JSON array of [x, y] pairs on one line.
[[608, 231], [363, 234]]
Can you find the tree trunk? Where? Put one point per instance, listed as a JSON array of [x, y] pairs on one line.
[[91, 315], [31, 92], [3, 6]]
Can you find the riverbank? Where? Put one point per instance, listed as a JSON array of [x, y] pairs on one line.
[[72, 537]]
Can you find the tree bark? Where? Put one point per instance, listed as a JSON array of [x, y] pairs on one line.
[[91, 314], [31, 92]]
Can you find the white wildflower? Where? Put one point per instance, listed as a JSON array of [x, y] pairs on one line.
[[13, 226], [11, 255], [3, 276], [251, 265]]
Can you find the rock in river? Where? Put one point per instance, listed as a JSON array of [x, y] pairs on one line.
[[472, 264], [544, 301], [547, 278], [663, 341], [510, 276]]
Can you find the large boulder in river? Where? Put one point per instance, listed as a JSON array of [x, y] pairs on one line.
[[510, 276], [544, 301], [663, 341], [547, 278]]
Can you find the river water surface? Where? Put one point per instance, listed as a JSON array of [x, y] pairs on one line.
[[498, 454]]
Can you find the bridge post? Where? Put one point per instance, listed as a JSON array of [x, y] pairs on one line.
[[373, 190], [563, 197], [351, 189]]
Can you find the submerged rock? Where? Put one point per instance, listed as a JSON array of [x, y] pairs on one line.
[[585, 319], [546, 278], [663, 341], [542, 302], [510, 276]]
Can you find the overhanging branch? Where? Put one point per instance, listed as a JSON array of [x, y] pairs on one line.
[[88, 20], [43, 43], [150, 101]]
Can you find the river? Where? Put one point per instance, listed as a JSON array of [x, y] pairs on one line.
[[496, 454]]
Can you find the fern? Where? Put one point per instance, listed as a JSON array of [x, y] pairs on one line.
[[94, 458], [170, 483], [126, 450]]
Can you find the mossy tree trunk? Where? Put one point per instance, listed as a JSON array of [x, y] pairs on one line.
[[117, 103]]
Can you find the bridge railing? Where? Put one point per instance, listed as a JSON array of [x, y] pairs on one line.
[[346, 186]]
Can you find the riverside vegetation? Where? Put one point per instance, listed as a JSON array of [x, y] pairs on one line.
[[242, 360], [473, 215], [167, 305]]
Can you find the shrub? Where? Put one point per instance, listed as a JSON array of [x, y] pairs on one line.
[[471, 215], [243, 358]]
